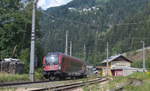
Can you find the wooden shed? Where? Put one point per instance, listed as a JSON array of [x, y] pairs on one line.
[[117, 65], [12, 66]]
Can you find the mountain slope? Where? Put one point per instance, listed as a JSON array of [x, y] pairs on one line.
[[93, 23]]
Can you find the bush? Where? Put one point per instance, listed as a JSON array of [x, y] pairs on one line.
[[38, 74], [25, 59], [5, 77], [140, 75]]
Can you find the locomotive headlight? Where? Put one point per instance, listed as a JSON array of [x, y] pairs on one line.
[[59, 67]]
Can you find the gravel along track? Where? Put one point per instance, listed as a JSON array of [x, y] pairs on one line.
[[32, 84], [19, 83], [63, 87], [52, 86]]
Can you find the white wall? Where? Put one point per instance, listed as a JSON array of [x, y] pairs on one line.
[[120, 63]]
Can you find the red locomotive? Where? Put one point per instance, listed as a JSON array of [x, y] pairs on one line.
[[58, 65]]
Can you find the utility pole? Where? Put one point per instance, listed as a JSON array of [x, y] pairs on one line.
[[107, 52], [143, 55], [84, 52], [66, 48], [70, 48], [32, 50]]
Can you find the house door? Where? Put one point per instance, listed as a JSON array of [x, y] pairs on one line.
[[119, 72]]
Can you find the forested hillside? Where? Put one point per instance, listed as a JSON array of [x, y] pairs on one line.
[[122, 23], [15, 30], [90, 23]]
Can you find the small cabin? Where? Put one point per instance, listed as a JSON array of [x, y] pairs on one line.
[[12, 66], [118, 65]]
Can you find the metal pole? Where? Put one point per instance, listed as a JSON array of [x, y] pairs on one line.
[[107, 57], [66, 48], [70, 48], [84, 50], [32, 50], [143, 55], [1, 66]]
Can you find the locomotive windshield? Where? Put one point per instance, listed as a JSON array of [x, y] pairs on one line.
[[52, 59]]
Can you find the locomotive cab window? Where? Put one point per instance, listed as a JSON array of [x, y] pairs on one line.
[[52, 59]]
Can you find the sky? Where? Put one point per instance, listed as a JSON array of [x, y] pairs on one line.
[[44, 4]]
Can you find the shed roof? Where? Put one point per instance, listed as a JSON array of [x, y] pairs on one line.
[[125, 67], [112, 58]]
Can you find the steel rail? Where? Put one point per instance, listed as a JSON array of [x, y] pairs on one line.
[[72, 85], [20, 83]]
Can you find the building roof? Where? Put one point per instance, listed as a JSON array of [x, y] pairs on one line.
[[112, 58], [11, 59], [125, 67]]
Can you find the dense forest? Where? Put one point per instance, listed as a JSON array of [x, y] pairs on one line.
[[90, 23], [15, 29], [93, 23]]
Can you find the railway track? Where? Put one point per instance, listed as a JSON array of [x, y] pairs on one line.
[[72, 85], [54, 86], [20, 83]]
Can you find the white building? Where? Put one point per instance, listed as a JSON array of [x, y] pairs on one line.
[[119, 66]]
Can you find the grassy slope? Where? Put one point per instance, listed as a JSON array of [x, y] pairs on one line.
[[134, 55], [5, 77], [117, 81], [143, 87], [137, 57]]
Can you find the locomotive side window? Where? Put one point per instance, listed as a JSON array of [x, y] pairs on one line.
[[52, 59]]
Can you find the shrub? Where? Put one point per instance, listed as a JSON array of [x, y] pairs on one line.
[[5, 77]]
